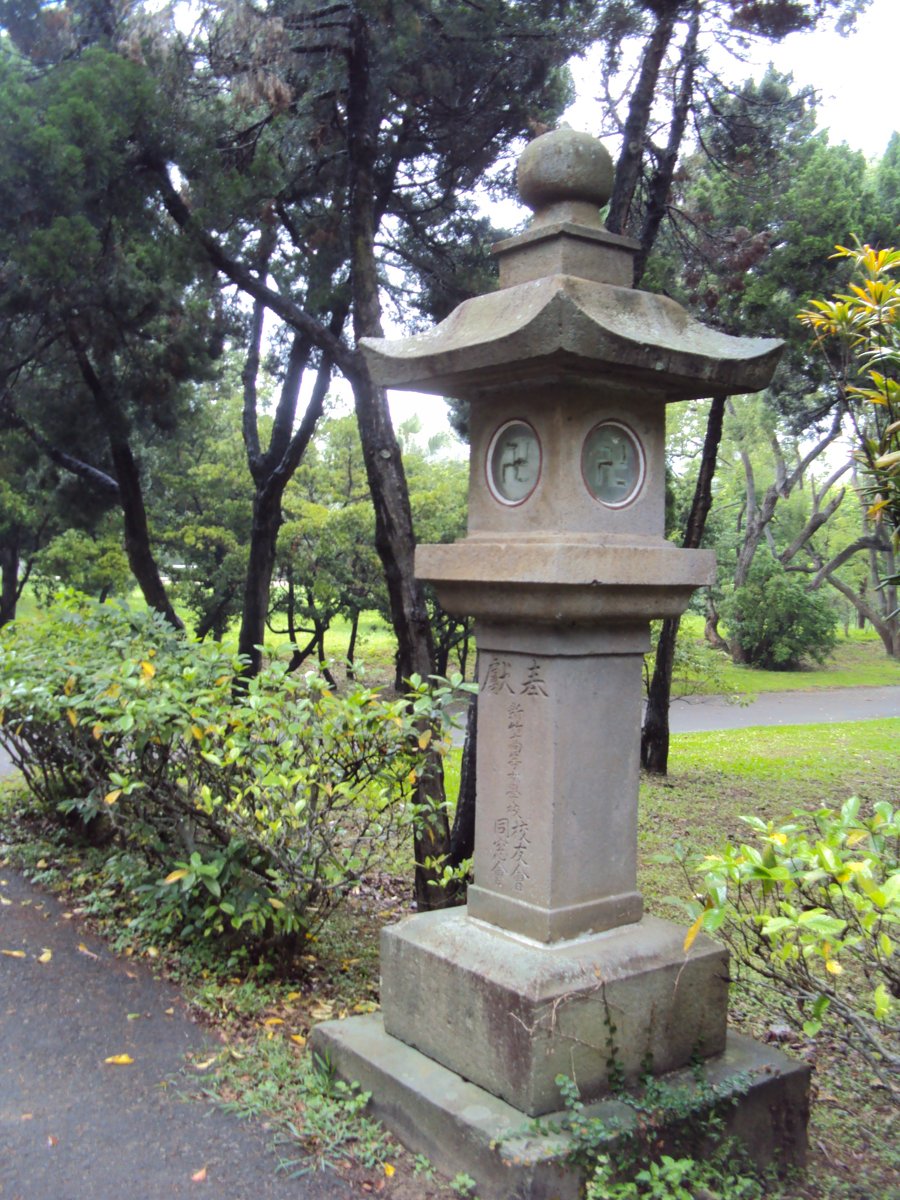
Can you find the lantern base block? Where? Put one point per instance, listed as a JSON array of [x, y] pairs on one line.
[[511, 1014], [761, 1096]]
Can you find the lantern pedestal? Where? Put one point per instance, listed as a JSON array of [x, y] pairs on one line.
[[511, 1015], [758, 1094]]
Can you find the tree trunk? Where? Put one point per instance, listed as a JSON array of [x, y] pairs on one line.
[[131, 497], [258, 582], [628, 168], [462, 839], [655, 729], [661, 181], [351, 645], [9, 580], [394, 537]]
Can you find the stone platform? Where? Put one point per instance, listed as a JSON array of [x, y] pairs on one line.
[[510, 1014], [459, 1126]]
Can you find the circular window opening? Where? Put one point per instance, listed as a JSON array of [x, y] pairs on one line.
[[513, 462], [612, 463]]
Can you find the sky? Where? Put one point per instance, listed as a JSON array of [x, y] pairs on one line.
[[859, 104], [855, 76]]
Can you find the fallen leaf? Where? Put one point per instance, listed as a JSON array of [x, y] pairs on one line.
[[13, 953], [41, 864], [389, 1170], [298, 1038], [322, 1010], [293, 996], [66, 916], [273, 1021], [133, 1016], [119, 1060], [27, 1117], [45, 955], [52, 1140], [208, 1062], [199, 1176], [3, 900], [82, 949], [170, 1012]]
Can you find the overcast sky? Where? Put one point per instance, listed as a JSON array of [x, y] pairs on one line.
[[856, 77]]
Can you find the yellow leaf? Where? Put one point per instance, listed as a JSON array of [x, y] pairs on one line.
[[199, 1176], [857, 836], [293, 996], [41, 864], [833, 966], [45, 955], [147, 669], [273, 1021], [13, 953], [69, 687], [276, 904], [3, 900], [197, 733], [322, 1010], [97, 732], [73, 717], [112, 797], [82, 949], [119, 1060], [174, 876], [298, 1038], [202, 1066], [691, 934], [389, 1170], [424, 739]]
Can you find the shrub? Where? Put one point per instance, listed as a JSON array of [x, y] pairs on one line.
[[813, 908], [250, 815], [776, 622]]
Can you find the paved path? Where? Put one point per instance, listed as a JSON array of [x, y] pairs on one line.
[[73, 1127], [818, 706]]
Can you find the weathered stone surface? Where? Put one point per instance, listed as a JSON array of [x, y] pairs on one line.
[[566, 248], [565, 164], [511, 1015], [763, 1099], [566, 328], [621, 585], [556, 850], [553, 970]]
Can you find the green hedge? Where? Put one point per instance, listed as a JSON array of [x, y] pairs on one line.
[[245, 813]]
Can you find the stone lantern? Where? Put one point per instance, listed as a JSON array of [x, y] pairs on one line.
[[553, 967]]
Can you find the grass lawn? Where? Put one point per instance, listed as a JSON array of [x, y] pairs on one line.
[[714, 779]]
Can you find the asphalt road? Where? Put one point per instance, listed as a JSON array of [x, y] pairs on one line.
[[819, 706]]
